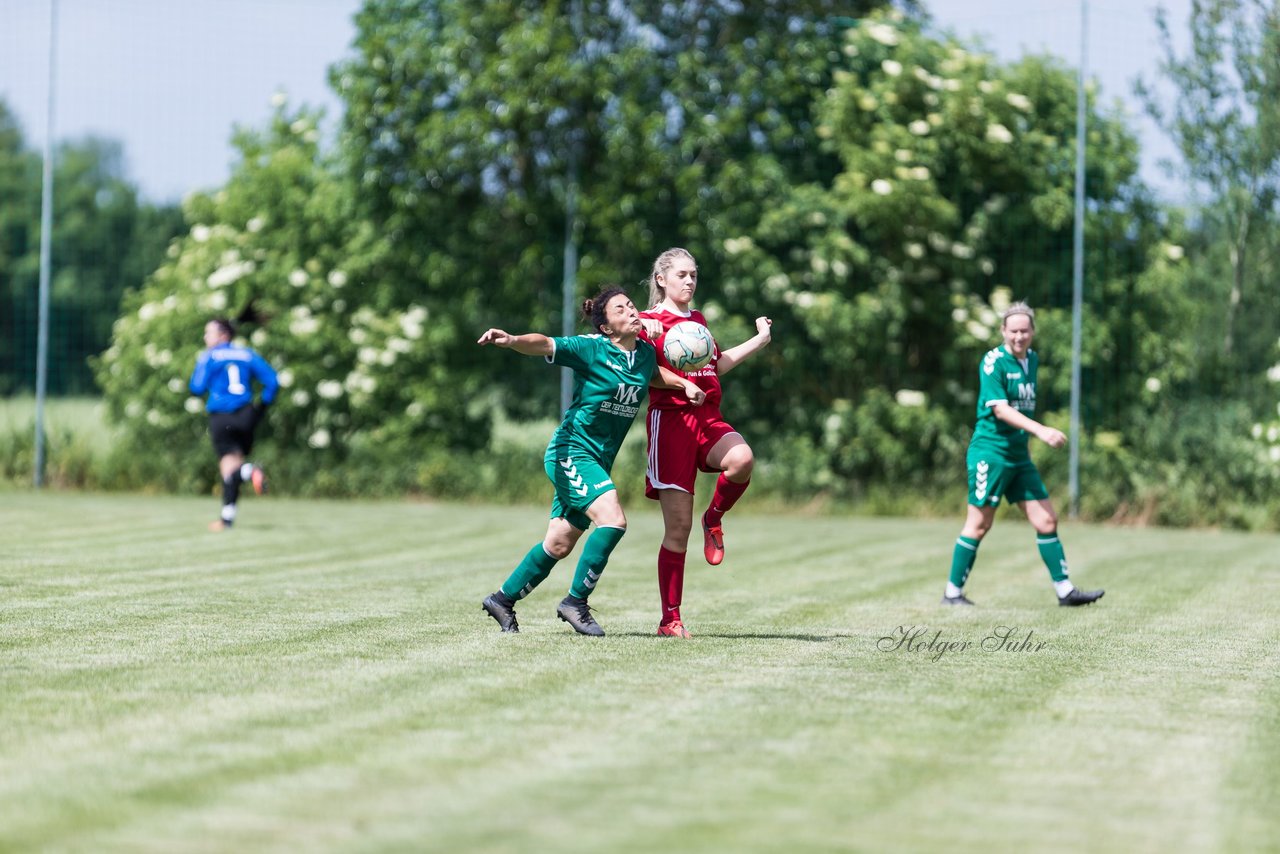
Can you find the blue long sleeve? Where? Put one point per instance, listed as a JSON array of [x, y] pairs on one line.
[[266, 375], [200, 377], [227, 374]]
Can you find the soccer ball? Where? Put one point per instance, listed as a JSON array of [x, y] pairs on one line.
[[688, 346]]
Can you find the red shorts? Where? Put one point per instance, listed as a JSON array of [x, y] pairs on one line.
[[679, 441]]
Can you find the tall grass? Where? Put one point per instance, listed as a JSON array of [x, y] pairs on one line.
[[1180, 487], [78, 442], [84, 451]]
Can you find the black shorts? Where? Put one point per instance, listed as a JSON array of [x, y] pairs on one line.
[[232, 432]]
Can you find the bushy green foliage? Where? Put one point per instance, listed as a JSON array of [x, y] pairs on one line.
[[356, 363], [1223, 119], [1197, 477], [105, 240], [879, 190], [954, 197]]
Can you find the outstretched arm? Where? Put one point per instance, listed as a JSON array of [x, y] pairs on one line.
[[667, 378], [529, 344], [734, 356], [1051, 436]]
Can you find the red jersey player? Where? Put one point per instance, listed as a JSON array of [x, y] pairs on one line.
[[685, 439]]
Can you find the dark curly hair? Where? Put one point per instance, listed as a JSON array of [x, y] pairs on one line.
[[248, 314], [594, 308], [225, 326]]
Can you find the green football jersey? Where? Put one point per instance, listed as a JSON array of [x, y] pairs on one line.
[[609, 388], [1004, 379]]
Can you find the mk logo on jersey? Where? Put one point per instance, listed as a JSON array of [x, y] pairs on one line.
[[628, 395], [1027, 391]]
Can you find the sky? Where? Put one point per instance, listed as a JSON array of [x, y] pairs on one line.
[[171, 78], [1122, 44]]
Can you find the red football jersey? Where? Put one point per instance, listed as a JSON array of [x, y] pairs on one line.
[[706, 379]]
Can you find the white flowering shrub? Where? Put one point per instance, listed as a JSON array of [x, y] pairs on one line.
[[1266, 432], [354, 357], [950, 173]]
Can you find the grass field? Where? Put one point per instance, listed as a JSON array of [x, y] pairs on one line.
[[323, 678]]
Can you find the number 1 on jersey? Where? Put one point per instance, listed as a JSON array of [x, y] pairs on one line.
[[234, 384]]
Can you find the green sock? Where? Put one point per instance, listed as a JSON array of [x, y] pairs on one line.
[[531, 572], [594, 556], [1053, 556], [966, 552]]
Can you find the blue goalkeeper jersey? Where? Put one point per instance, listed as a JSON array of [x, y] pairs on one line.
[[227, 372]]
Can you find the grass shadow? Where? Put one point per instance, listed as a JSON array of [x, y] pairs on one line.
[[798, 636]]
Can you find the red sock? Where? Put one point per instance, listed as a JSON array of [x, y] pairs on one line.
[[726, 495], [670, 582]]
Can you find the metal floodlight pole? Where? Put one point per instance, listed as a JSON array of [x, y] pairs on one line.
[[569, 286], [46, 246], [1077, 271]]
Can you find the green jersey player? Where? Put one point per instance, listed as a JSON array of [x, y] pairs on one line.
[[613, 370], [1000, 465]]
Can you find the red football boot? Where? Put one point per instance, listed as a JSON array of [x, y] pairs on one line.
[[673, 629], [713, 542]]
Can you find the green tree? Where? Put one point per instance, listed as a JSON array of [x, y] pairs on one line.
[[19, 239], [282, 242], [1224, 119], [954, 195], [104, 240], [877, 190], [465, 127]]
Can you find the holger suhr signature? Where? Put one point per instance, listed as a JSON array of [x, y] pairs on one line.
[[921, 641]]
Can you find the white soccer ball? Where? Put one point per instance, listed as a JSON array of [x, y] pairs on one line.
[[688, 346]]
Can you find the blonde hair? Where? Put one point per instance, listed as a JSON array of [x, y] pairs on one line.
[[1019, 307], [661, 265]]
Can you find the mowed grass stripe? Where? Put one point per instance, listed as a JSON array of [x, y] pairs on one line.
[[327, 680], [1118, 716], [353, 706], [502, 751]]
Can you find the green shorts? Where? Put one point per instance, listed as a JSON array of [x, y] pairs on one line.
[[579, 480], [992, 477]]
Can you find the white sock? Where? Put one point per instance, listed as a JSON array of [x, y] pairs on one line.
[[228, 512], [953, 591], [1063, 587], [246, 472]]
